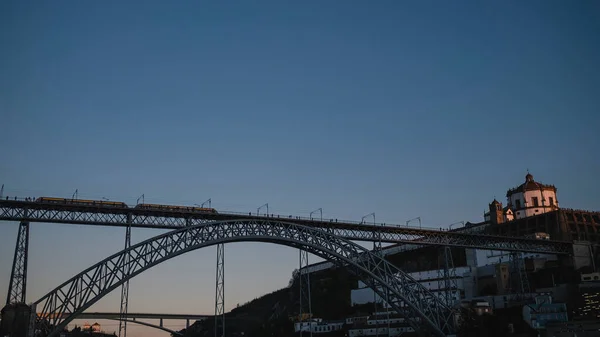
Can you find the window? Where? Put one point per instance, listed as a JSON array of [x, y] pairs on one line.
[[535, 201], [551, 201], [518, 203]]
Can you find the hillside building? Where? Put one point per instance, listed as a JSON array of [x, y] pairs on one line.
[[528, 199]]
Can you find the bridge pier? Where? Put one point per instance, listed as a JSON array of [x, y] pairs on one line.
[[18, 276], [304, 279], [125, 286], [220, 292], [447, 284], [15, 315]]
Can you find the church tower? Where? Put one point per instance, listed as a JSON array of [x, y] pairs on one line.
[[496, 215]]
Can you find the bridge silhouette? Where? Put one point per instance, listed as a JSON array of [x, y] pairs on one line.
[[331, 240], [133, 317]]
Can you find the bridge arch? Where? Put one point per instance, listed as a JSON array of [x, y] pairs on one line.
[[423, 310], [172, 332]]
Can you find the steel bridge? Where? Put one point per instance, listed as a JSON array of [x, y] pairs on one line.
[[423, 310], [132, 317], [23, 211], [248, 227]]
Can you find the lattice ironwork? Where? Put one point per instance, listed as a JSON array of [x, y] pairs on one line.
[[305, 299], [32, 212], [422, 309], [18, 276], [220, 292], [125, 289], [159, 327], [447, 284], [519, 281]]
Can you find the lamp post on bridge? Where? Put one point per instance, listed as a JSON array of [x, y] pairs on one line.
[[456, 223], [105, 199], [315, 211], [362, 221], [417, 218], [74, 197], [204, 203], [138, 199], [265, 205]]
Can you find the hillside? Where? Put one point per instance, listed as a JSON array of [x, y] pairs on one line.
[[269, 314]]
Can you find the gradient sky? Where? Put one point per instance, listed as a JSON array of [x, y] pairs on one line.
[[402, 108]]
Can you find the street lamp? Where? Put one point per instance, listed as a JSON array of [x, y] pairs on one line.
[[362, 221], [74, 197], [209, 201], [456, 223], [315, 211], [258, 209], [105, 199], [417, 218], [138, 199]]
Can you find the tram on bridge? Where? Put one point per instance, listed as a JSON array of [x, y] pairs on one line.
[[121, 205]]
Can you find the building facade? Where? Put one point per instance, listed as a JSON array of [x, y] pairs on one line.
[[528, 199]]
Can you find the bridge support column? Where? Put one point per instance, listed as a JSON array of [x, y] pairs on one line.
[[378, 250], [18, 277], [447, 284], [305, 298], [16, 314], [220, 292], [125, 286], [518, 277]]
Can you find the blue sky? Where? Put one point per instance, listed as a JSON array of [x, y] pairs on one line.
[[402, 108]]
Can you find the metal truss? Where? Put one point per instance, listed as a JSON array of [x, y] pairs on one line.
[[447, 277], [106, 216], [18, 277], [159, 327], [377, 250], [137, 315], [125, 290], [518, 277], [220, 292], [305, 299], [422, 309]]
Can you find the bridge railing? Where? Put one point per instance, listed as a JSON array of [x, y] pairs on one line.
[[258, 215]]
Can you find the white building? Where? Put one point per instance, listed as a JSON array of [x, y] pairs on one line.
[[317, 325], [528, 199]]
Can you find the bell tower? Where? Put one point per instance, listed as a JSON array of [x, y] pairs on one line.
[[496, 215]]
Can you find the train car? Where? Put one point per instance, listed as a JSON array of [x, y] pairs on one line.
[[177, 208], [64, 201]]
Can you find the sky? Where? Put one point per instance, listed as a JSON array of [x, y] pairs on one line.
[[407, 109]]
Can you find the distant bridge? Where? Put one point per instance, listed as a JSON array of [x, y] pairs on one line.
[[131, 315], [133, 318]]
